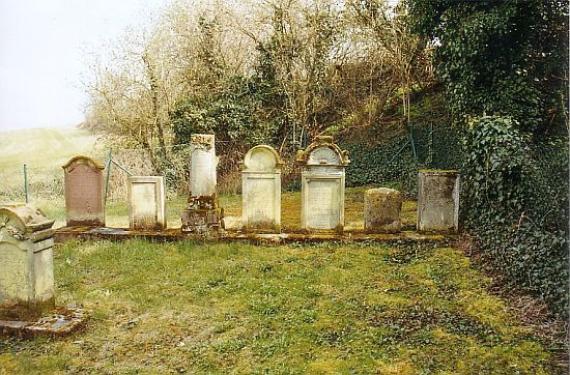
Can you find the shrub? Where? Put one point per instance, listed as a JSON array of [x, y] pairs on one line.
[[513, 208]]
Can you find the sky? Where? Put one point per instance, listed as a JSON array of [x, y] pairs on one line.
[[45, 48]]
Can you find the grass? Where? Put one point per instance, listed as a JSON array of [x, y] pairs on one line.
[[44, 151], [235, 308], [117, 212], [43, 148]]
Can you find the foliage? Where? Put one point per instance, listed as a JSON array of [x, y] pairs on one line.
[[500, 57], [282, 309], [392, 160], [512, 206]]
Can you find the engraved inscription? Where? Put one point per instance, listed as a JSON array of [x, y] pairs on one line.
[[323, 204]]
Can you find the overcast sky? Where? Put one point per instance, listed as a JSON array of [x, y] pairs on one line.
[[44, 48]]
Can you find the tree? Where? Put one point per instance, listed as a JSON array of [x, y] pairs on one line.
[[500, 57]]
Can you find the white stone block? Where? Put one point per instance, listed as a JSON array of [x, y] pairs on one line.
[[147, 201], [203, 165]]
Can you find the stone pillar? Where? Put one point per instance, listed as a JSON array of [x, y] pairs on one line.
[[26, 262], [322, 185], [382, 210], [438, 201], [203, 212], [261, 189], [147, 202], [84, 192]]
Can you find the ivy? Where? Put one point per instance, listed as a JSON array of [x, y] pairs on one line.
[[513, 208]]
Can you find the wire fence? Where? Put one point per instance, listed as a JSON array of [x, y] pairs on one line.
[[394, 160]]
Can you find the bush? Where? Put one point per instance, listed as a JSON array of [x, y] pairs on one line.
[[513, 208]]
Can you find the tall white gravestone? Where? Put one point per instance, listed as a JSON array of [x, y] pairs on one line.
[[322, 185], [26, 260], [261, 189], [203, 212], [438, 201], [146, 202]]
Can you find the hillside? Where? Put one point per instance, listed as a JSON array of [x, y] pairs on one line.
[[44, 151], [43, 148]]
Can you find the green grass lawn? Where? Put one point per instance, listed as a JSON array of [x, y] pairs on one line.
[[235, 308]]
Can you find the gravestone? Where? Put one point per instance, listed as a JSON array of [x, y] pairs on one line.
[[322, 185], [382, 210], [146, 202], [27, 288], [261, 189], [202, 213], [438, 201], [26, 261], [84, 192]]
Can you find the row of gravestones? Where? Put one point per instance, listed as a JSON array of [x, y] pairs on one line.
[[322, 193]]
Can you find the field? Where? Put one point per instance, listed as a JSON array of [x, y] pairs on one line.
[[44, 151], [234, 308]]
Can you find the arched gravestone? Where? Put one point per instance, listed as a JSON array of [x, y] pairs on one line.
[[261, 189], [26, 260], [322, 185], [84, 193]]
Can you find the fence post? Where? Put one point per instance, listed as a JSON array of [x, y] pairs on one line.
[[26, 183], [108, 174]]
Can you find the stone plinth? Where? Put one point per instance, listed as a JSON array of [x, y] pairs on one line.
[[438, 201], [382, 210], [26, 261], [202, 213], [322, 185], [84, 192], [146, 202], [261, 189]]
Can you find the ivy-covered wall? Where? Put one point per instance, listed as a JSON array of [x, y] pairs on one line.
[[394, 162]]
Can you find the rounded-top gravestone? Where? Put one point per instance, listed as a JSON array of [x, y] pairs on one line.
[[84, 192], [261, 189]]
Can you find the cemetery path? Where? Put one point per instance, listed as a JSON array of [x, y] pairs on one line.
[[237, 308]]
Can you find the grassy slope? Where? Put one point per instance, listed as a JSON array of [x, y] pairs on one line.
[[44, 151], [43, 148], [234, 308]]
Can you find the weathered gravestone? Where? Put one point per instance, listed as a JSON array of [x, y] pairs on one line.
[[27, 291], [322, 185], [146, 202], [84, 193], [203, 212], [438, 201], [26, 260], [382, 210], [261, 189]]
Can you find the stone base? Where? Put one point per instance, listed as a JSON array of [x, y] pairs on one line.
[[61, 322], [202, 220]]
